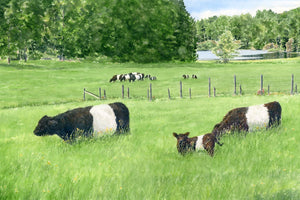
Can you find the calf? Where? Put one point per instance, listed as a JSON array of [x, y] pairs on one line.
[[249, 118], [90, 121], [203, 142]]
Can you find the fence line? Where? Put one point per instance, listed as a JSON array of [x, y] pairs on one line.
[[293, 90]]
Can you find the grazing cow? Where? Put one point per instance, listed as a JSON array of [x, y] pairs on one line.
[[153, 78], [90, 121], [185, 76], [148, 76], [203, 142], [249, 118], [116, 77], [139, 76], [194, 76], [130, 77]]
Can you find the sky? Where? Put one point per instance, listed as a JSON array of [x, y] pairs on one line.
[[201, 9]]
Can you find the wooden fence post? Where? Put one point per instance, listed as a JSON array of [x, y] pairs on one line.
[[100, 93], [268, 89], [122, 91], [209, 87], [214, 92], [169, 94], [128, 93], [235, 84], [292, 87], [240, 89], [180, 89], [150, 91], [261, 84], [104, 94], [296, 91], [83, 94], [190, 92]]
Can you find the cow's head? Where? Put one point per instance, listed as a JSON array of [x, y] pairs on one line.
[[46, 126], [208, 142], [184, 143]]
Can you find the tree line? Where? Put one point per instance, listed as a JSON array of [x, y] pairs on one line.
[[117, 30], [266, 29]]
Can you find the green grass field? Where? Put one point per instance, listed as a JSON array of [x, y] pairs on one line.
[[145, 164]]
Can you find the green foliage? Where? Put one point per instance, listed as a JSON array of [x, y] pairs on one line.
[[125, 30], [254, 32], [226, 47], [206, 45]]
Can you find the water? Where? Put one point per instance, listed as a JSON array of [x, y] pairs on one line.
[[249, 55]]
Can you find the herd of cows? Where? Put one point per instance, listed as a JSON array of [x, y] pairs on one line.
[[132, 76], [137, 76], [93, 121]]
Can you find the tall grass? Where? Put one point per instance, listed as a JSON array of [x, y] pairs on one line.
[[145, 164]]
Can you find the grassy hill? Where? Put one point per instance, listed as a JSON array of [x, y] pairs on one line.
[[145, 164]]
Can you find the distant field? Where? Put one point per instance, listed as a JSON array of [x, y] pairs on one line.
[[51, 82], [145, 164]]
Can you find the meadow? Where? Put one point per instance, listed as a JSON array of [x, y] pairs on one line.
[[145, 164]]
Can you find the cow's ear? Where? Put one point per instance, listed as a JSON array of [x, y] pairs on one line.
[[175, 134], [52, 123], [187, 133]]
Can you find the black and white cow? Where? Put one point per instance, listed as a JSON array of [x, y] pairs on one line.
[[138, 76], [128, 77], [153, 78], [116, 77], [185, 76], [249, 118], [194, 76], [202, 142], [90, 121]]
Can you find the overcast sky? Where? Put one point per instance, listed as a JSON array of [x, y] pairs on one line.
[[200, 9]]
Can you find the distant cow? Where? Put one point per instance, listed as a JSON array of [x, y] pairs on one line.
[[153, 78], [90, 121], [249, 118], [185, 76], [194, 76], [116, 77], [203, 142]]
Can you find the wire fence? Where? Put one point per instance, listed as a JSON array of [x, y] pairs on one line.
[[186, 89]]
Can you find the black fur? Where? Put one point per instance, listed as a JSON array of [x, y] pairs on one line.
[[80, 119]]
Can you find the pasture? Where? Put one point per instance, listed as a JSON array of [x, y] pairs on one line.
[[145, 164]]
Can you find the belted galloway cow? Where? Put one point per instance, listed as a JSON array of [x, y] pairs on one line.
[[96, 120]]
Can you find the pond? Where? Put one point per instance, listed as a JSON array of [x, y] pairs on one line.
[[249, 55]]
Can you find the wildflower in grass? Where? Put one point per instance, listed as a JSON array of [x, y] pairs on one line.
[[75, 179], [284, 170], [49, 163], [21, 155], [16, 190], [121, 188]]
